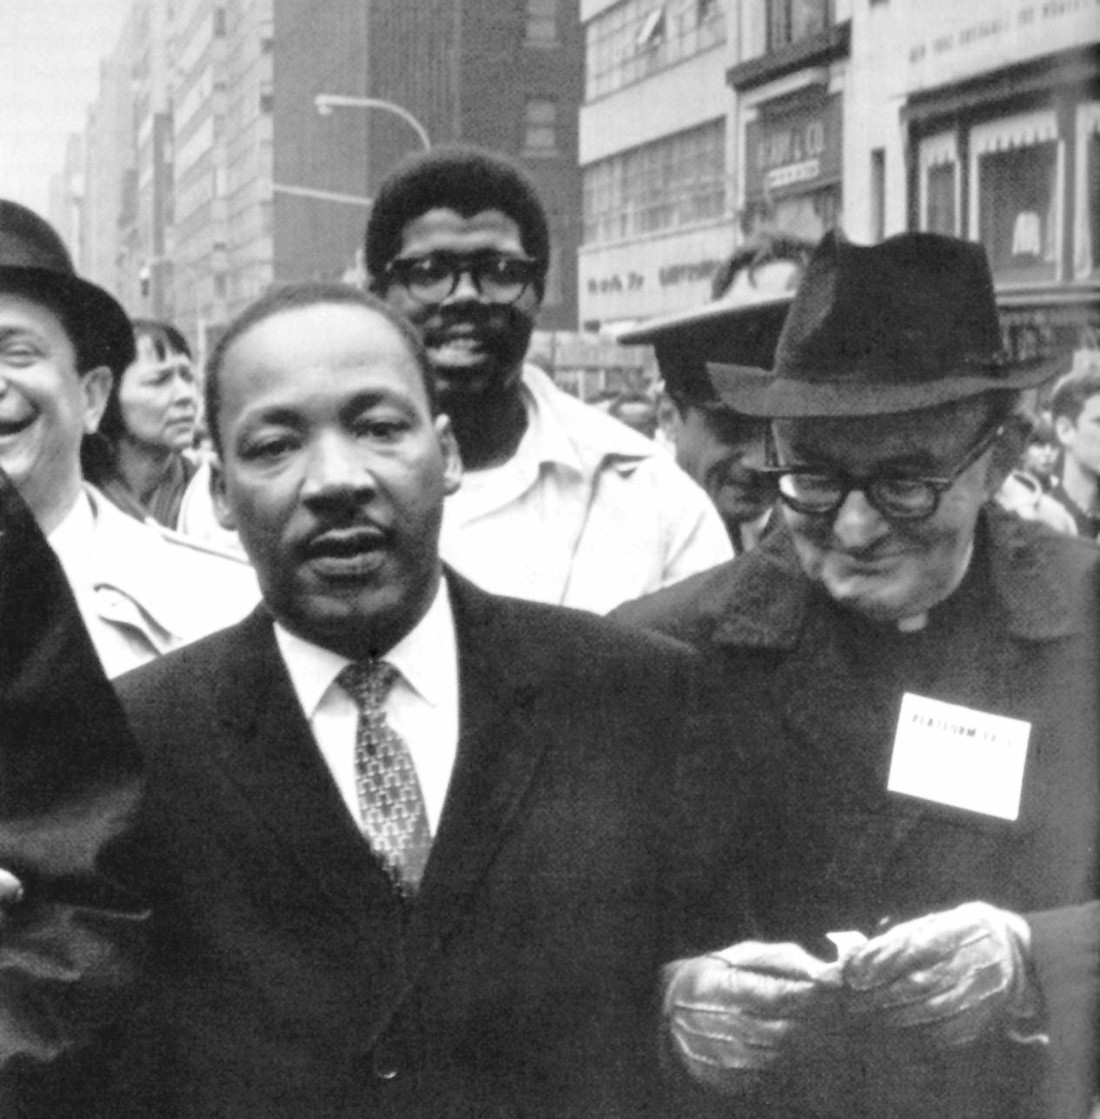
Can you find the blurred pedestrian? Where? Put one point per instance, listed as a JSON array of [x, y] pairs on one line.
[[63, 341], [637, 410], [911, 674], [1075, 409], [558, 503], [1022, 492], [148, 426], [1041, 452]]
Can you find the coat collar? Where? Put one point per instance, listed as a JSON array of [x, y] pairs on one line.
[[767, 598]]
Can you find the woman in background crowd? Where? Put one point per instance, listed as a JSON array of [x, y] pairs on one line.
[[150, 421]]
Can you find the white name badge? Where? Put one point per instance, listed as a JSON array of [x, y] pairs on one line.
[[958, 756]]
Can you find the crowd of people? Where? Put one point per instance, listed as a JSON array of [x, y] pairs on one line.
[[329, 791]]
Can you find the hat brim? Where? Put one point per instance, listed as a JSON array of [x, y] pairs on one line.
[[760, 392], [108, 335]]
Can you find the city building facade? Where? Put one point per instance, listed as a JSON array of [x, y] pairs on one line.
[[656, 157], [209, 173], [876, 116]]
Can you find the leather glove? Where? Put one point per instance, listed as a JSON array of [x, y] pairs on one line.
[[948, 977], [734, 1015]]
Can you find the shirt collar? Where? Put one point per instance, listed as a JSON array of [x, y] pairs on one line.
[[564, 431], [426, 657]]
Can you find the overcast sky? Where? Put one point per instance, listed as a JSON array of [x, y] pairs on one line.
[[49, 74]]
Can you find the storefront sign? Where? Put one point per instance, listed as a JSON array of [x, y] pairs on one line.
[[979, 35], [635, 280], [791, 151]]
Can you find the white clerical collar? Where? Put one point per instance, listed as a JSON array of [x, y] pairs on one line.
[[426, 657]]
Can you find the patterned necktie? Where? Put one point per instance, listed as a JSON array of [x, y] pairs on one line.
[[390, 802]]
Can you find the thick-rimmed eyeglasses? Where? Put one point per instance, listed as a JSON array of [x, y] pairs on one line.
[[434, 277], [899, 497]]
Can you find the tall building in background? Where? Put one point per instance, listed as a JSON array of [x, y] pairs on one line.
[[147, 219], [505, 76], [107, 199], [210, 174]]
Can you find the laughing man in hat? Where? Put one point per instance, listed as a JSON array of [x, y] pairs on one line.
[[62, 341], [911, 675]]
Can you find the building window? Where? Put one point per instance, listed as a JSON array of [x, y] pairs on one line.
[[540, 135], [637, 37], [791, 21], [542, 23], [1092, 194], [1015, 211], [878, 194], [1017, 204], [941, 213], [677, 181]]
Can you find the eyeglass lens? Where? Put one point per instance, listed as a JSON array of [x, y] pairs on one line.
[[434, 277]]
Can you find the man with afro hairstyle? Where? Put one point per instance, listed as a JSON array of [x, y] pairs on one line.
[[559, 502]]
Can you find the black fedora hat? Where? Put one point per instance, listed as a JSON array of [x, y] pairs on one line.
[[906, 324], [35, 262]]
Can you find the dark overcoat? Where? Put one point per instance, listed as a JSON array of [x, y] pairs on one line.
[[805, 697], [289, 979], [71, 943]]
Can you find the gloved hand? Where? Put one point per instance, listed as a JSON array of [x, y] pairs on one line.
[[947, 977], [734, 1015]]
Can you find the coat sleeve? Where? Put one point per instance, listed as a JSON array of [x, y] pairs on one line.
[[71, 939]]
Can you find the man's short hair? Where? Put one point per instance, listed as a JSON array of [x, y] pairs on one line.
[[463, 178], [1072, 392], [310, 293]]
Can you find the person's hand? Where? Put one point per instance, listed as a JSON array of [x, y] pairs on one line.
[[947, 978], [735, 1015]]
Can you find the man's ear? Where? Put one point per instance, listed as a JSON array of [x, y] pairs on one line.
[[222, 511], [452, 458], [1063, 428], [96, 385]]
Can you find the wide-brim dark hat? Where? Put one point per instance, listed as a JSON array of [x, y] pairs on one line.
[[874, 330], [35, 262]]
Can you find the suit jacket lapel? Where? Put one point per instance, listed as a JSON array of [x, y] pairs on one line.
[[269, 753], [496, 760]]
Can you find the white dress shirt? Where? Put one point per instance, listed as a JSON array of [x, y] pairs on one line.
[[422, 705]]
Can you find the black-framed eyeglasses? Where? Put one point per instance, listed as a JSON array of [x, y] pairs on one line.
[[899, 497], [433, 277]]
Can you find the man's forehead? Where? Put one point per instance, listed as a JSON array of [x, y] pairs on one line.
[[443, 222], [935, 434]]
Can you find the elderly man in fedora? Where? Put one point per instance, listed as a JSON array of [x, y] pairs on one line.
[[141, 591], [906, 698]]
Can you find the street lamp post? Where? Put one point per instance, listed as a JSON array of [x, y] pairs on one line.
[[326, 102]]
